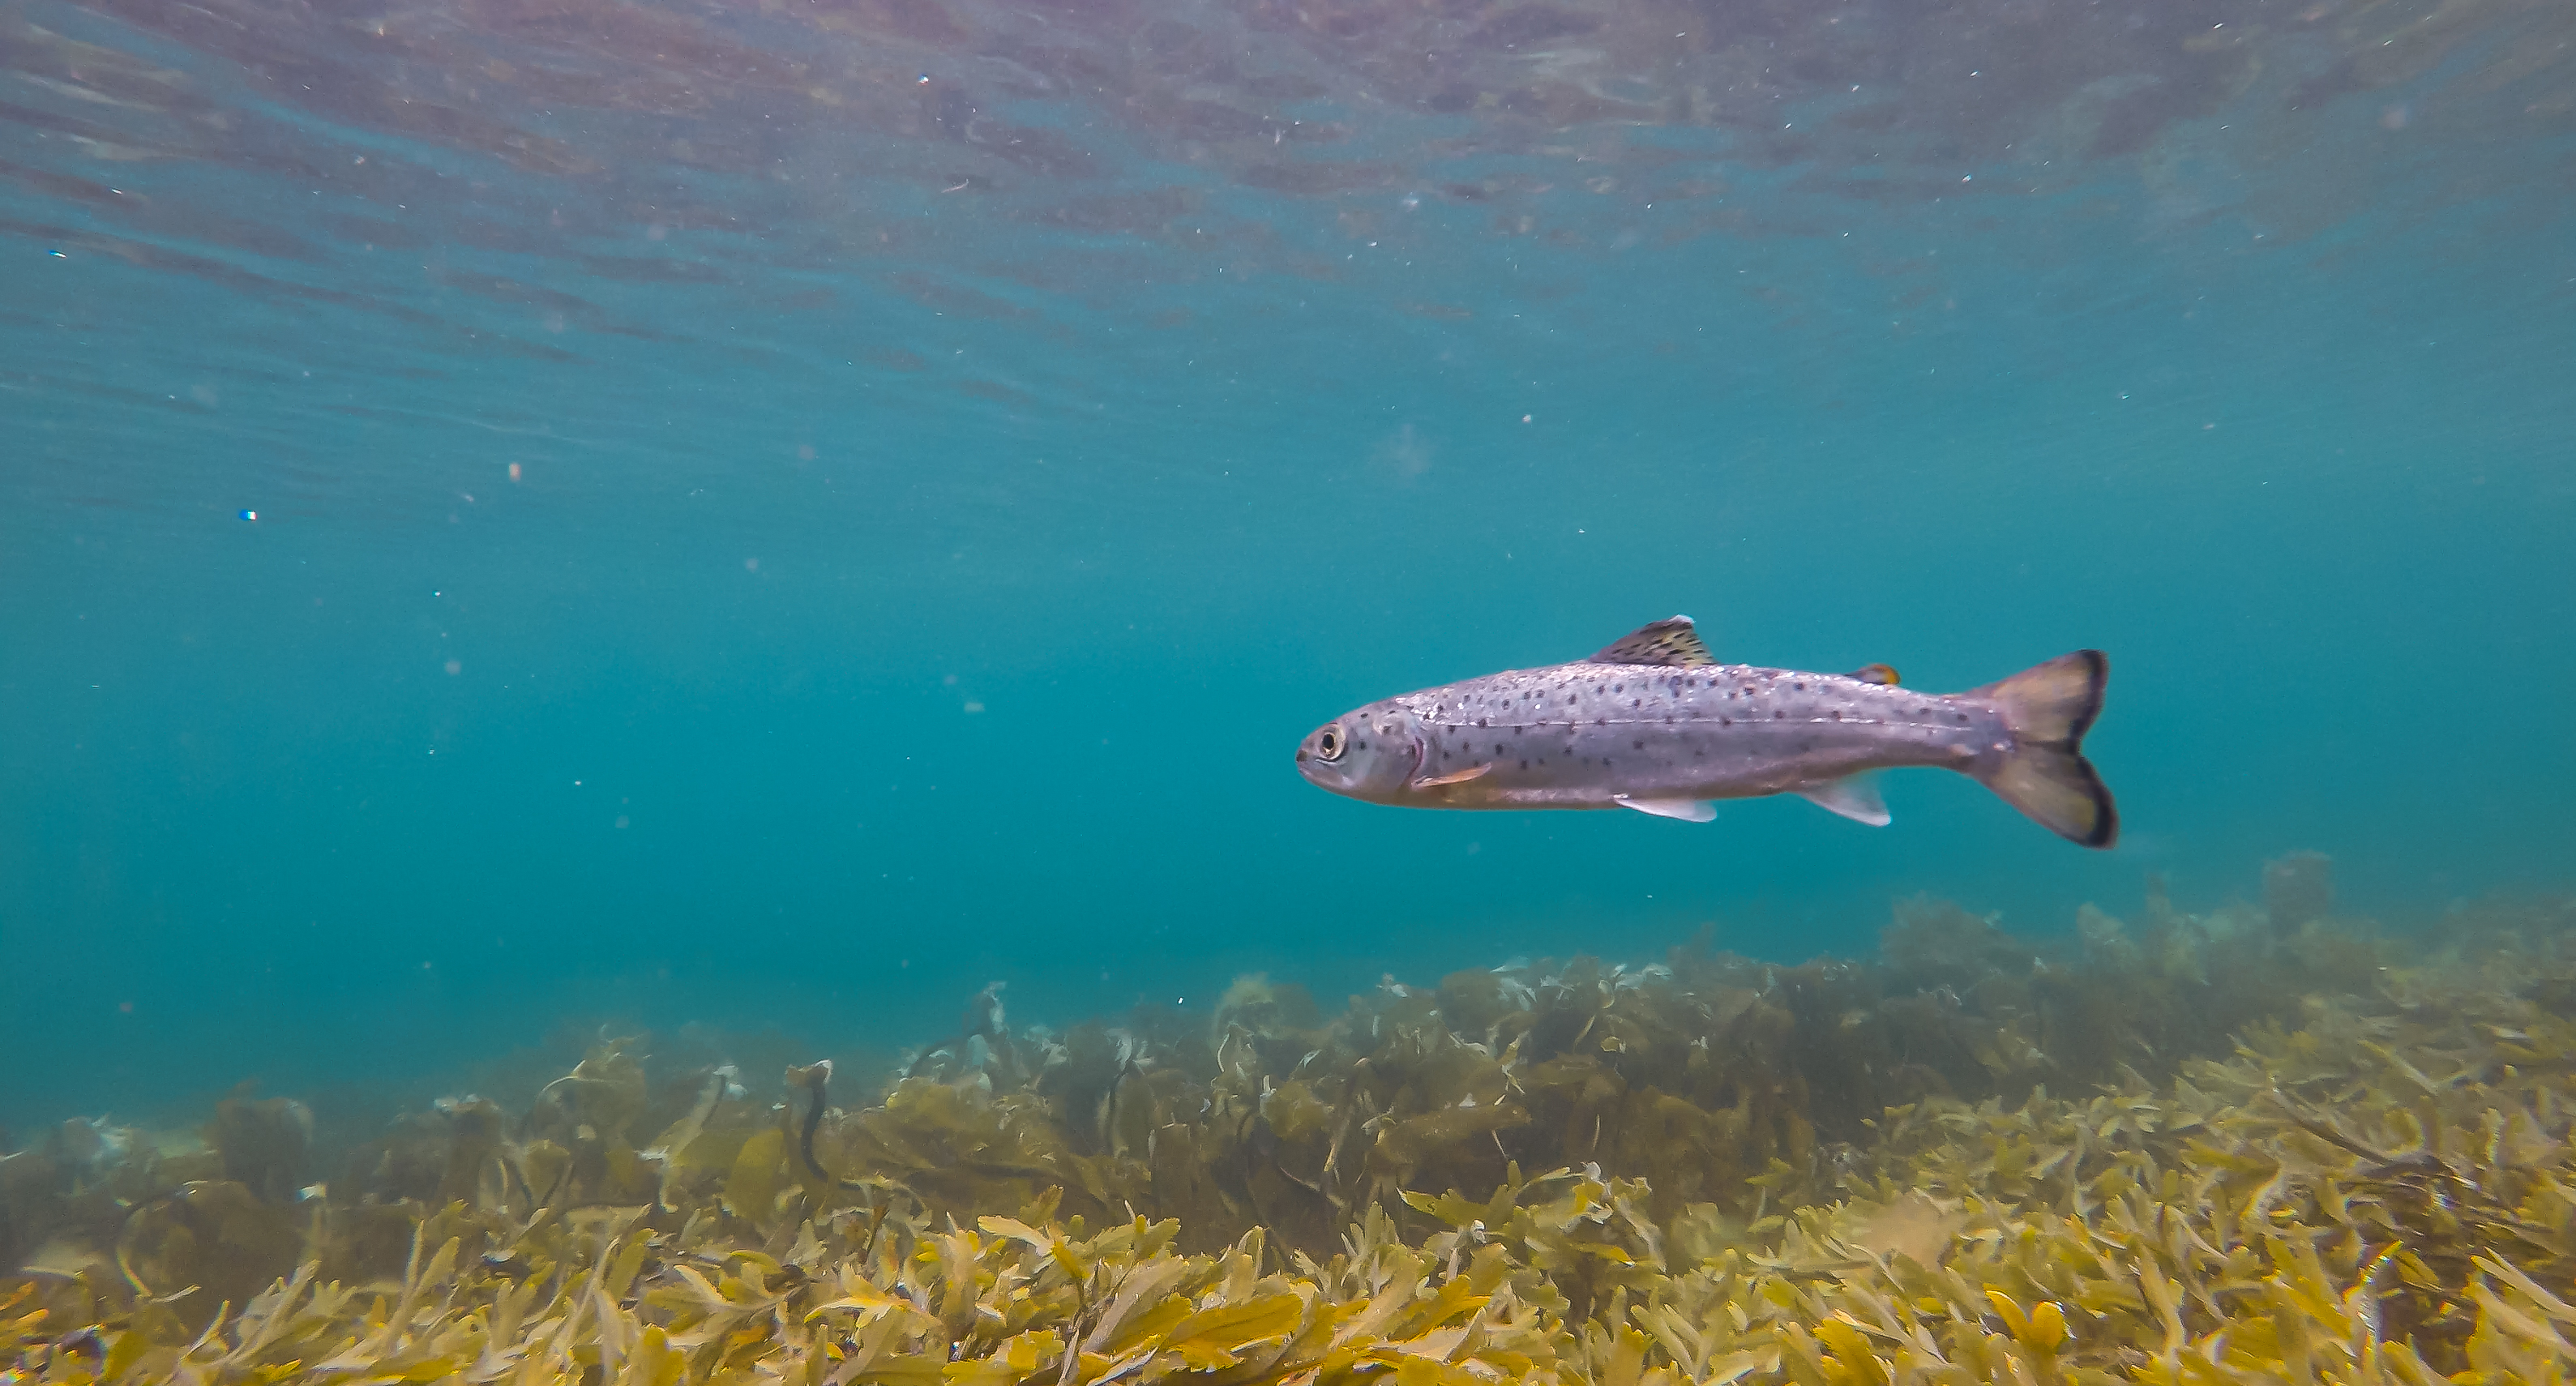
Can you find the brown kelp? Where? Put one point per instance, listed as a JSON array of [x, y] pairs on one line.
[[2196, 1148]]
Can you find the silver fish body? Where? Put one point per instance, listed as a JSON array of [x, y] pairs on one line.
[[1653, 723]]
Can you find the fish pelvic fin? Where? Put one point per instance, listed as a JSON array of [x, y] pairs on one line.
[[1454, 777], [1884, 675], [2048, 708], [1687, 810]]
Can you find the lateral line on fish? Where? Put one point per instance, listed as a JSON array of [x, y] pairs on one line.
[[1675, 722]]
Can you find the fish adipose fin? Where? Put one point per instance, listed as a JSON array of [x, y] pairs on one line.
[[1884, 675], [2048, 708], [1671, 643], [1687, 810], [1454, 777], [1853, 796]]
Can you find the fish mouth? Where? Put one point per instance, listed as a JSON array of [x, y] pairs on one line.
[[1314, 769]]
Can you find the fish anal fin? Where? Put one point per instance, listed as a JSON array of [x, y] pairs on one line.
[[1884, 675], [1687, 810], [1672, 643], [1853, 796], [1454, 777]]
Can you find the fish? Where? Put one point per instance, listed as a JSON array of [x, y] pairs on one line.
[[1653, 723]]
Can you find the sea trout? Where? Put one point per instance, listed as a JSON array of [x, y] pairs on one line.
[[1654, 723]]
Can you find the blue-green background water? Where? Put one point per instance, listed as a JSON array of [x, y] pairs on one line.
[[781, 515]]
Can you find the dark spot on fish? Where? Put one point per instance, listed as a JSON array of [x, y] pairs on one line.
[[1618, 688], [1838, 714], [1963, 719], [1726, 721], [1525, 765], [1638, 745], [1775, 714], [1801, 687]]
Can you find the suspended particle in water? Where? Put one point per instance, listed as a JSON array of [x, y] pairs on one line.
[[249, 515], [925, 79], [514, 471], [58, 255], [455, 666]]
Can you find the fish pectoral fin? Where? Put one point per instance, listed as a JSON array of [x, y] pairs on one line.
[[1687, 810], [1853, 796], [1884, 675], [1672, 643], [1454, 777]]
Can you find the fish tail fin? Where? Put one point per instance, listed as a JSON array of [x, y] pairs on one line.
[[2048, 708]]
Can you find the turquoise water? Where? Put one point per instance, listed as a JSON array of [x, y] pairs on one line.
[[778, 516]]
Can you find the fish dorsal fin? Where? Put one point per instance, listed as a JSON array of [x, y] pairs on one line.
[[1670, 642], [1687, 810], [1884, 675], [1853, 796]]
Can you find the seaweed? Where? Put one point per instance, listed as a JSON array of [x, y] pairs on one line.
[[2210, 1148]]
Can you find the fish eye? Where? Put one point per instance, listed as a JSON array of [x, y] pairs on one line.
[[1329, 743]]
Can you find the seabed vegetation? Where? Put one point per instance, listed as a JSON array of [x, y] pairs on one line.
[[2262, 1144]]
